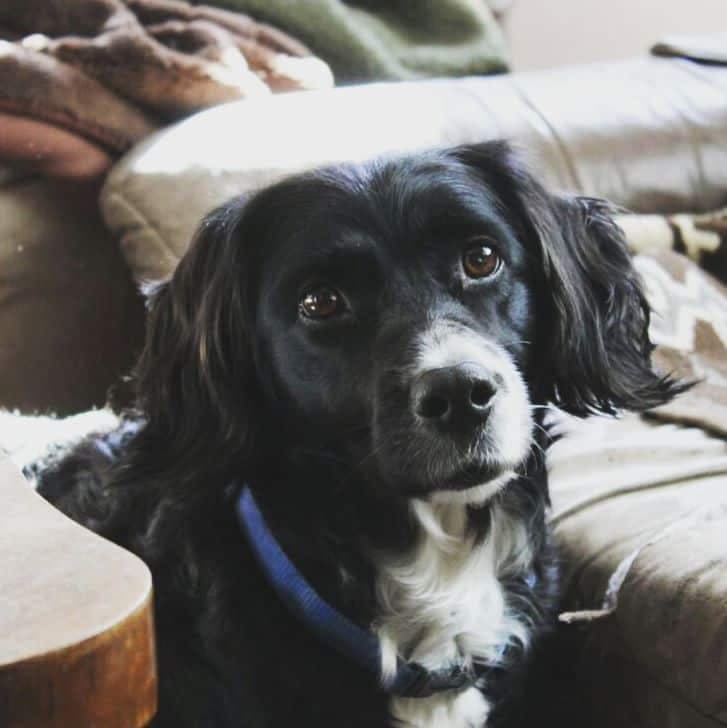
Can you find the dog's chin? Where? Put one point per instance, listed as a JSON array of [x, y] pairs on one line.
[[471, 485], [473, 493], [470, 476]]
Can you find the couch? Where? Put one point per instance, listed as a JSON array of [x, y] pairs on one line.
[[639, 505]]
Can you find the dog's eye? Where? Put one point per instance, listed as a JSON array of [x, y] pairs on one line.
[[321, 303], [481, 261]]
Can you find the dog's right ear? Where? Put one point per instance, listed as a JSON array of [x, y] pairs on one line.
[[196, 381]]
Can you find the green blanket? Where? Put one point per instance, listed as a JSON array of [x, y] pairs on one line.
[[369, 40]]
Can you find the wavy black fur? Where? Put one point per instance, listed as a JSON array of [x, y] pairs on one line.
[[232, 386]]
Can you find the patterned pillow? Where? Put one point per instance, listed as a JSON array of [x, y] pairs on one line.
[[689, 327], [703, 238]]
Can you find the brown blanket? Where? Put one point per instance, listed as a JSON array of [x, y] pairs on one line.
[[110, 70]]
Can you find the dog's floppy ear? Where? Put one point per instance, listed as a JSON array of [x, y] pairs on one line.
[[195, 380], [598, 338], [592, 342]]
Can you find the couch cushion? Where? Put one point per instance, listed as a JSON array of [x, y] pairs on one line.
[[650, 134], [70, 317], [652, 496]]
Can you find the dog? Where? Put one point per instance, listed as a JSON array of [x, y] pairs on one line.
[[335, 464]]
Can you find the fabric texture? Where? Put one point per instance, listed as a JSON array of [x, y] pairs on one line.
[[701, 237], [690, 323], [71, 319], [689, 328], [42, 88], [29, 440], [29, 146], [374, 40], [652, 497], [110, 71]]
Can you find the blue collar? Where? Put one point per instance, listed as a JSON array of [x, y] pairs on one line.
[[332, 627]]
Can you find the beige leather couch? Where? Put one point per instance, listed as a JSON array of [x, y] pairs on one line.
[[650, 134]]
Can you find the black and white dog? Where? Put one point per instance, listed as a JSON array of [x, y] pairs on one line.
[[336, 465]]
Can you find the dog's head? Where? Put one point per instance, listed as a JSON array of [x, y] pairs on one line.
[[404, 316]]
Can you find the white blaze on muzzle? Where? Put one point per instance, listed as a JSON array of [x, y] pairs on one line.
[[508, 430]]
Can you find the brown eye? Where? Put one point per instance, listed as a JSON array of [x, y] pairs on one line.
[[481, 261], [321, 303]]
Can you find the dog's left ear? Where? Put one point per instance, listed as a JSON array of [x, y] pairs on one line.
[[600, 351], [594, 351]]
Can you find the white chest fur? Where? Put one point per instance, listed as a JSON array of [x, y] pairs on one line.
[[443, 602]]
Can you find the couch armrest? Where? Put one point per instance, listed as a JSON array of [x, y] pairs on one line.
[[650, 134], [76, 633]]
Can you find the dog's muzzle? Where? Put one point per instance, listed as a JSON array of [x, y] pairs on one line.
[[454, 417]]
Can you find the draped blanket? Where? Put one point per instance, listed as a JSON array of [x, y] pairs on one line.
[[689, 324], [392, 40], [112, 70]]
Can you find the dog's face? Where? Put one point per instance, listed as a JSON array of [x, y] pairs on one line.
[[404, 316], [395, 311]]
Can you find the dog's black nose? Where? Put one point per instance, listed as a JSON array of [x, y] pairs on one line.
[[458, 396]]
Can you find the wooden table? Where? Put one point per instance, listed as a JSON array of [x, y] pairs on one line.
[[76, 630]]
